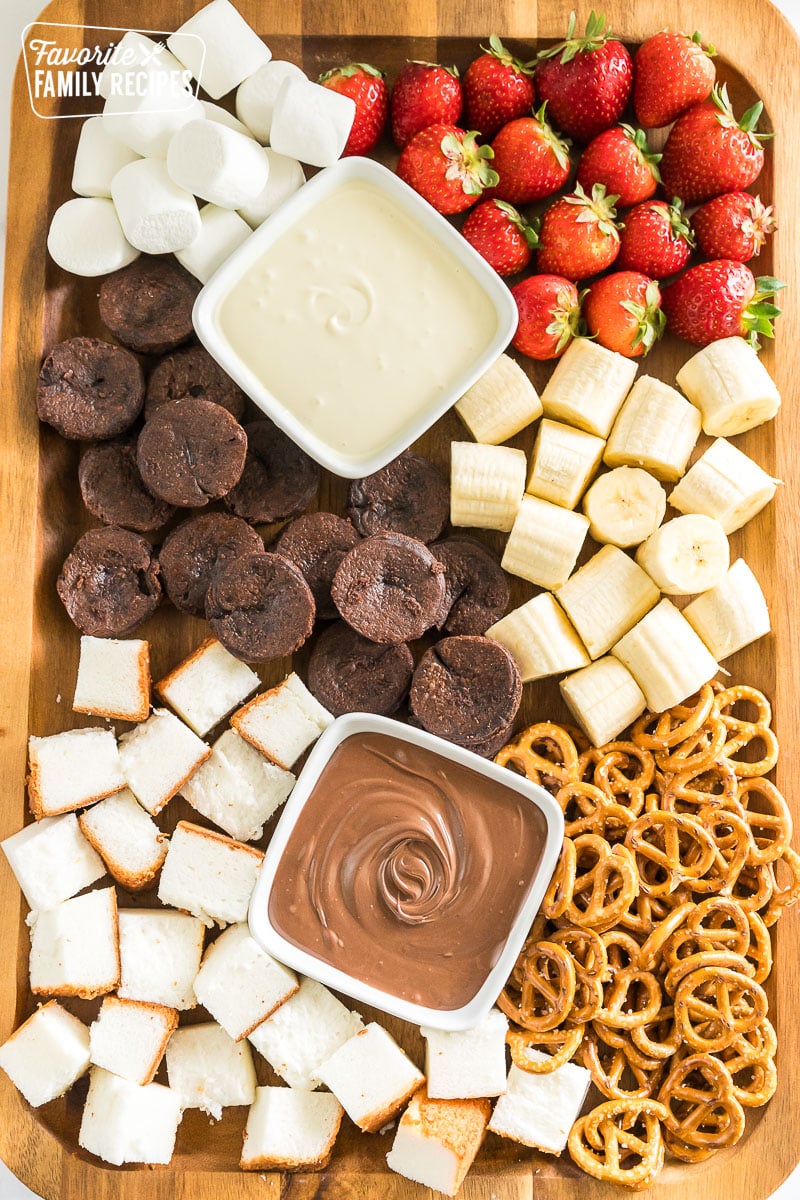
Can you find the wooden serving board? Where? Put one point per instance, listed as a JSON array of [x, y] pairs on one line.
[[42, 516]]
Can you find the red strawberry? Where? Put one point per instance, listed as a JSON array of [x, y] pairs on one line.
[[578, 235], [501, 236], [623, 311], [549, 315], [622, 160], [497, 88], [447, 167], [424, 94], [671, 72], [585, 80], [365, 85], [735, 225], [656, 239], [708, 152], [531, 159], [720, 299]]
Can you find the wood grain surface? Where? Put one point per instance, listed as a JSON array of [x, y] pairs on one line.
[[42, 516]]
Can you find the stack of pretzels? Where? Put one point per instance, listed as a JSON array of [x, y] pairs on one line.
[[648, 959]]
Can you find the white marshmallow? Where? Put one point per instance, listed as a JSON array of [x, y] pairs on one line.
[[146, 123], [156, 215], [285, 176], [255, 98], [86, 237], [232, 49], [215, 112], [221, 233], [98, 158], [133, 54], [310, 122], [218, 164]]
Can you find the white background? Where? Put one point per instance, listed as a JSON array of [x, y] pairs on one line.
[[14, 15]]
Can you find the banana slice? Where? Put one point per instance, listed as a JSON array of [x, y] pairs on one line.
[[564, 460], [604, 699], [486, 485], [545, 542], [500, 404], [540, 638], [588, 386], [725, 484], [687, 555], [731, 386], [606, 597], [731, 615], [656, 429], [666, 657], [624, 506]]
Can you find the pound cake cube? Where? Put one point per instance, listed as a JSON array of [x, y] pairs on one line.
[[45, 1056], [437, 1140], [289, 1130], [125, 1123], [52, 860], [209, 875], [282, 722], [113, 678], [371, 1076], [209, 1070], [71, 770], [240, 984], [237, 787], [158, 757], [304, 1032], [160, 954], [129, 1037], [75, 946], [207, 685], [469, 1064], [126, 838], [540, 1110]]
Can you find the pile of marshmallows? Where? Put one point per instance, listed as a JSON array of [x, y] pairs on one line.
[[156, 147]]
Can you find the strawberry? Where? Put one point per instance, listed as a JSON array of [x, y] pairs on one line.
[[578, 235], [720, 299], [501, 236], [549, 316], [735, 225], [621, 159], [530, 158], [671, 72], [497, 88], [656, 239], [424, 94], [708, 152], [447, 167], [623, 311], [585, 80], [365, 85]]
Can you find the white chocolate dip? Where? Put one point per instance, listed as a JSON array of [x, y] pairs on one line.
[[357, 319]]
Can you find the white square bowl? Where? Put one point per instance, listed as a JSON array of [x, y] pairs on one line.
[[261, 928], [206, 315]]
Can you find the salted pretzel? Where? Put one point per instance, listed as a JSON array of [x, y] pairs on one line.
[[611, 1066], [714, 786], [733, 843], [563, 1042], [543, 753], [714, 1004], [703, 1114], [742, 733], [561, 886], [632, 997], [669, 848], [620, 1142], [782, 895], [656, 731], [768, 816], [754, 887], [591, 969], [708, 959], [695, 752], [546, 988], [605, 883], [588, 809], [659, 1038]]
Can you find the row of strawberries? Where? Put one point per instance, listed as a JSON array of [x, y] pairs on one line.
[[515, 154]]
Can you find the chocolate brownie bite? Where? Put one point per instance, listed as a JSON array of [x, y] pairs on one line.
[[190, 452], [476, 587], [192, 372], [109, 582], [113, 491], [389, 588], [89, 390], [407, 496], [148, 304], [317, 543], [260, 607], [279, 479], [348, 673], [197, 550], [466, 689]]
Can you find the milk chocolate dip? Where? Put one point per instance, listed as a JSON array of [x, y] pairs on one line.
[[407, 870]]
